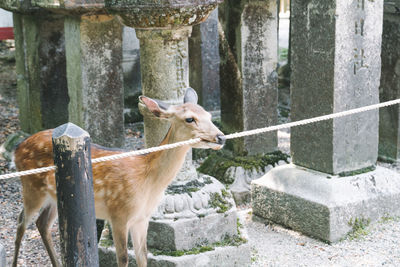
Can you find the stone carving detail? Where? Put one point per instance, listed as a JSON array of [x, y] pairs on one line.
[[187, 199]]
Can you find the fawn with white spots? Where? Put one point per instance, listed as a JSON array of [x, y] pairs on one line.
[[126, 191]]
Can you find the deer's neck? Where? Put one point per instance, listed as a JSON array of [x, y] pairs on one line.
[[166, 164]]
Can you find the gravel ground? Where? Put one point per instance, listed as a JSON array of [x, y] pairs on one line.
[[271, 244]]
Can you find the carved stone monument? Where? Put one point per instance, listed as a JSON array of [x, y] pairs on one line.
[[336, 66]]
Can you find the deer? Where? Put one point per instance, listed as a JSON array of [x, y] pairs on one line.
[[126, 191]]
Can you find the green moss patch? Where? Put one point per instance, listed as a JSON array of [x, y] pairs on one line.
[[218, 163], [218, 201], [356, 172], [359, 228], [227, 241], [189, 188]]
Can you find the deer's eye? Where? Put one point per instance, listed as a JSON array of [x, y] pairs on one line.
[[189, 120]]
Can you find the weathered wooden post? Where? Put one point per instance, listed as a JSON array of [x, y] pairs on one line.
[[74, 180]]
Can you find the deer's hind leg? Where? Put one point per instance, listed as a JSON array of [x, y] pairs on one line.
[[32, 204], [138, 232], [120, 237], [43, 223]]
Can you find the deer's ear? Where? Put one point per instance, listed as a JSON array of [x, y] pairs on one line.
[[156, 107], [190, 96]]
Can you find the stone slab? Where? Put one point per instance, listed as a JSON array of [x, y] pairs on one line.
[[321, 205], [220, 257], [184, 234], [2, 256]]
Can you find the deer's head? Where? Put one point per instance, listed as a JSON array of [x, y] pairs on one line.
[[188, 120]]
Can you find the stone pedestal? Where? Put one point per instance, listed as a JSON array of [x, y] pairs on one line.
[[249, 80], [193, 213], [335, 67], [324, 206], [95, 81], [41, 71], [389, 137], [204, 62], [228, 256]]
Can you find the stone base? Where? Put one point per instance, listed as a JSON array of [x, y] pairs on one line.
[[184, 234], [2, 256], [222, 257], [240, 188], [321, 205]]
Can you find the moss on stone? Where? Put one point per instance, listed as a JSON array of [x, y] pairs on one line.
[[218, 163], [190, 187], [356, 172], [105, 242], [359, 228], [235, 240], [218, 201]]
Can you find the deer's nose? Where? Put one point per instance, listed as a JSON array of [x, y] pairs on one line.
[[220, 139]]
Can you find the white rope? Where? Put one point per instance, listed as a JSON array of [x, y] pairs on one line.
[[312, 120], [230, 136], [146, 151], [28, 172]]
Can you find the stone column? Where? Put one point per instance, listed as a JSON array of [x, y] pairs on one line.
[[389, 127], [95, 79], [204, 62], [335, 67], [251, 101], [164, 65], [41, 71]]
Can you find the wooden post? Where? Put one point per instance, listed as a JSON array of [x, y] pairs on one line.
[[74, 179]]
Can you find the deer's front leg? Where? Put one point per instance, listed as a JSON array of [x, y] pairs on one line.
[[120, 237], [139, 236]]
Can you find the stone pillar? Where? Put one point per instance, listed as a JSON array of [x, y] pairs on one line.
[[335, 67], [204, 62], [95, 80], [164, 65], [251, 101], [41, 71], [344, 63], [389, 127]]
